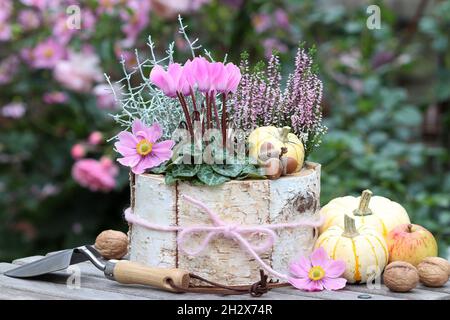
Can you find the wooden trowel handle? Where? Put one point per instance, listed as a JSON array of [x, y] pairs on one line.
[[128, 272]]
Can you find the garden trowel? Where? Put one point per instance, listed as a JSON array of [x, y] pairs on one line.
[[122, 271]]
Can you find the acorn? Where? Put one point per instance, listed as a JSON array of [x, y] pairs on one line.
[[289, 165], [273, 168], [267, 151]]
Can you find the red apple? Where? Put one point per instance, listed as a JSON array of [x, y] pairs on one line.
[[411, 243]]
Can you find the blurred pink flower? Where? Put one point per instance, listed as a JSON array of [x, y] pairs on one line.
[[136, 18], [5, 31], [140, 149], [47, 54], [55, 97], [8, 68], [105, 98], [95, 138], [317, 272], [79, 72], [127, 55], [107, 6], [282, 18], [40, 4], [6, 7], [170, 9], [95, 175], [61, 31], [271, 44], [261, 22], [78, 151], [28, 19], [14, 110]]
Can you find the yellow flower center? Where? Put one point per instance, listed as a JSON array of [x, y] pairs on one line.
[[144, 147], [48, 53], [316, 273]]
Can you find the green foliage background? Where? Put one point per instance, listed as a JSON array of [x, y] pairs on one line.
[[380, 87]]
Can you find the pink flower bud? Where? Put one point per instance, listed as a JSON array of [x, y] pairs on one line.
[[95, 138], [78, 151]]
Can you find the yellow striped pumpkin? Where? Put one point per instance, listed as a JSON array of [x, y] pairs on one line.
[[378, 212], [363, 249]]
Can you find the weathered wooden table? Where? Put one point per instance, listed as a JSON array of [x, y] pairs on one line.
[[93, 285]]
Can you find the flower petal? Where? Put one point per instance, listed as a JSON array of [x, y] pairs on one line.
[[137, 126], [130, 161], [124, 150], [319, 257], [154, 133], [300, 283], [147, 162], [128, 139], [333, 284], [301, 267], [335, 268]]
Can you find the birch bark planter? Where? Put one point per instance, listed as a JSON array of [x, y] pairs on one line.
[[247, 202]]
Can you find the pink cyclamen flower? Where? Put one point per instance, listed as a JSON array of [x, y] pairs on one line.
[[95, 138], [95, 175], [317, 273], [197, 73], [47, 54], [234, 77], [55, 97], [171, 81], [140, 149], [78, 151]]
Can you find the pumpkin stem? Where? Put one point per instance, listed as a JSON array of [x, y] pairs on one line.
[[284, 133], [363, 208], [349, 227]]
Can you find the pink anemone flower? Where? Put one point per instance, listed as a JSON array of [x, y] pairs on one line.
[[317, 272], [140, 149]]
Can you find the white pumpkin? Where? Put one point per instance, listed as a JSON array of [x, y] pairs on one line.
[[378, 212], [363, 250]]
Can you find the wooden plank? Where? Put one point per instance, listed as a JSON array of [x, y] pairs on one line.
[[416, 294], [14, 294], [94, 278], [333, 295], [46, 288]]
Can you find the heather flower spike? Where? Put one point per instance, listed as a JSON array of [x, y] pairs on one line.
[[318, 272], [140, 149]]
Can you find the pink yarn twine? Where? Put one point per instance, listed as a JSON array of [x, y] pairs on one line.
[[229, 230]]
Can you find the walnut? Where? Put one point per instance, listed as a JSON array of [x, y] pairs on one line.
[[400, 276], [433, 271], [112, 244]]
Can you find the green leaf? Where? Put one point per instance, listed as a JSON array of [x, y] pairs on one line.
[[185, 170], [209, 177], [160, 169], [169, 179], [251, 172], [228, 170]]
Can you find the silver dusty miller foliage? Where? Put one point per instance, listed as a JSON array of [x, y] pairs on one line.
[[145, 101]]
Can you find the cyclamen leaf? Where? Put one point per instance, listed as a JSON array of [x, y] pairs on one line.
[[170, 179], [185, 170], [228, 170], [251, 172], [211, 178]]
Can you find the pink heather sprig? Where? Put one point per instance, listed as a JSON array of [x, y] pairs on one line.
[[260, 101]]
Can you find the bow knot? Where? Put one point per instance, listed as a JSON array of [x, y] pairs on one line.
[[238, 233]]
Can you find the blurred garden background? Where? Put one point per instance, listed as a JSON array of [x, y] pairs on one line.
[[386, 102]]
